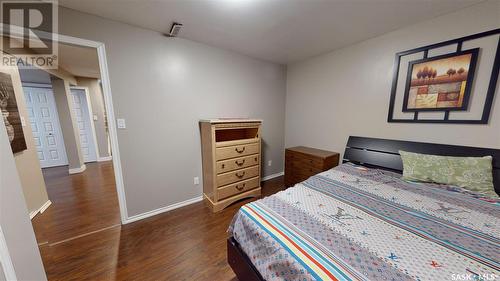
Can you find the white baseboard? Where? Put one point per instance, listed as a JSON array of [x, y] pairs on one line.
[[273, 176], [183, 203], [164, 209], [106, 158], [45, 206], [41, 209], [77, 170]]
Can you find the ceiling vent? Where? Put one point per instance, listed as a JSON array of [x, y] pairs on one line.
[[175, 29]]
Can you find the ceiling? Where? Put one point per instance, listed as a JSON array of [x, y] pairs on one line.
[[280, 31], [79, 61]]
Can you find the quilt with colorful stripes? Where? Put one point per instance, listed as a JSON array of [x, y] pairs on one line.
[[355, 223]]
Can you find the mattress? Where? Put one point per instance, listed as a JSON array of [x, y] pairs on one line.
[[356, 223]]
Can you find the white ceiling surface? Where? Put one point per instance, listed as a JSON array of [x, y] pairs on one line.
[[280, 31]]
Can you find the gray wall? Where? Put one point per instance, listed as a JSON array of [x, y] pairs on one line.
[[162, 87], [14, 219], [346, 92], [27, 163], [67, 120]]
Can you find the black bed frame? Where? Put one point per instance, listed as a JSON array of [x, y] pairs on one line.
[[376, 153]]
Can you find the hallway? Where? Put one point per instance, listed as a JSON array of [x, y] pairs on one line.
[[81, 203]]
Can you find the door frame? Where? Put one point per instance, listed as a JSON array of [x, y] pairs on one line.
[[18, 32], [91, 116], [5, 261], [110, 115]]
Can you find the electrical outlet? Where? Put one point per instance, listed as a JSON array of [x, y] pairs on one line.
[[270, 163], [196, 180]]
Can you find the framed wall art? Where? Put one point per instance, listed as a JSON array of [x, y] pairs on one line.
[[443, 83], [10, 114]]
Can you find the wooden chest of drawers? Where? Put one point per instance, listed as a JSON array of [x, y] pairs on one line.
[[302, 162], [231, 160]]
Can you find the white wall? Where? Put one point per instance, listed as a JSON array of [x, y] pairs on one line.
[[162, 87], [346, 92]]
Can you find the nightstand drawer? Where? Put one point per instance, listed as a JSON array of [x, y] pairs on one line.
[[223, 153], [303, 162], [237, 187], [305, 158], [238, 175], [303, 165], [237, 163]]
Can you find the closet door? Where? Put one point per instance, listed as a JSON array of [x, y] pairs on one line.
[[83, 120], [45, 125]]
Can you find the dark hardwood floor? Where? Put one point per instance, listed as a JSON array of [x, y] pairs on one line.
[[81, 203], [188, 243]]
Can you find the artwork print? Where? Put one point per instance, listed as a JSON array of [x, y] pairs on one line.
[[440, 83], [10, 113]]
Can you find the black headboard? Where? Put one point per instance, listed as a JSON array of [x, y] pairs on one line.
[[383, 153]]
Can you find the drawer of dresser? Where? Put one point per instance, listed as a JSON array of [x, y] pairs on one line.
[[222, 153], [238, 175], [304, 167], [237, 187], [304, 158], [237, 163]]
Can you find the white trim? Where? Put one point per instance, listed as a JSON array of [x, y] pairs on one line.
[[272, 176], [91, 117], [41, 209], [5, 261], [33, 214], [45, 206], [77, 170], [36, 85], [164, 209], [113, 135], [106, 158]]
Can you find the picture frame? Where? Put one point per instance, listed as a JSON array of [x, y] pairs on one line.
[[440, 83], [10, 114], [445, 119]]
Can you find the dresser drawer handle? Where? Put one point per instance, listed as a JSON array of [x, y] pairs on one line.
[[240, 188], [240, 163], [239, 151], [240, 175]]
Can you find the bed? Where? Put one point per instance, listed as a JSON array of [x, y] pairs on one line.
[[361, 221]]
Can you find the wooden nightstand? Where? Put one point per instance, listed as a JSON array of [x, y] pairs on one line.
[[302, 162]]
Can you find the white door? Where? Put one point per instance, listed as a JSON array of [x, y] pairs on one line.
[[45, 125], [82, 113]]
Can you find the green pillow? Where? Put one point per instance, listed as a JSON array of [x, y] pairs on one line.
[[472, 173]]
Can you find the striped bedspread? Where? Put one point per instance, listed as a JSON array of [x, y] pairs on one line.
[[354, 223]]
